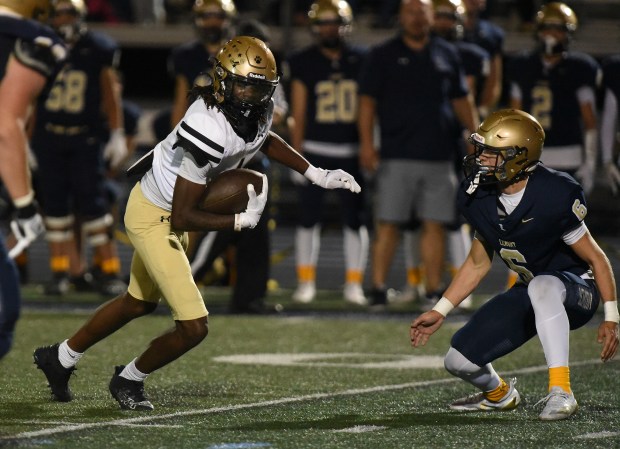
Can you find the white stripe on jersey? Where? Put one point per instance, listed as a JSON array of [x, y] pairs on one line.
[[208, 129]]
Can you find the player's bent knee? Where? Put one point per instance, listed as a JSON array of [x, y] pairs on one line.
[[544, 287], [136, 306], [193, 331]]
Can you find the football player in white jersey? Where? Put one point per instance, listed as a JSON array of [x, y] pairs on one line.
[[227, 123]]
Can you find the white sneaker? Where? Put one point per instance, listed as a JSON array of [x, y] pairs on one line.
[[477, 401], [305, 292], [409, 293], [558, 405], [354, 294]]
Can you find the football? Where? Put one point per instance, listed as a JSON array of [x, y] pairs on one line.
[[227, 193]]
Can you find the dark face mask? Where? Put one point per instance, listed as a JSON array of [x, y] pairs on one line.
[[551, 46], [210, 35], [331, 42]]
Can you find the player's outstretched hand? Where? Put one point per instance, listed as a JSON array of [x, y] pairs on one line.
[[608, 336], [424, 326], [332, 179]]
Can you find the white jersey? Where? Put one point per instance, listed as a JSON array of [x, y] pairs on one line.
[[212, 134]]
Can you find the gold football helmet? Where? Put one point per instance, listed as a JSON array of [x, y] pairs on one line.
[[67, 19], [555, 16], [515, 137], [244, 77], [455, 11], [30, 9], [227, 7], [212, 20], [558, 15], [330, 10]]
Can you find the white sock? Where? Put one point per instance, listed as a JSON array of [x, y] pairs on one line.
[[307, 245], [355, 249], [132, 373], [67, 356], [547, 294]]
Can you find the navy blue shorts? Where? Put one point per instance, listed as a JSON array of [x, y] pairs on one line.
[[507, 320], [70, 178]]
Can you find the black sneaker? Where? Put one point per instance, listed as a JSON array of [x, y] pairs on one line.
[[378, 298], [128, 393], [83, 283], [58, 286], [46, 359], [111, 285]]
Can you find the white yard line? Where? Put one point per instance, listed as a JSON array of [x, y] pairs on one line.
[[68, 428]]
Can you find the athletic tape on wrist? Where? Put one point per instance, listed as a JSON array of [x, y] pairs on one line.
[[25, 200], [443, 306], [611, 311]]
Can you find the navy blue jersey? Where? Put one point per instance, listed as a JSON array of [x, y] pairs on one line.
[[611, 75], [32, 44], [550, 95], [74, 100], [475, 59], [413, 92], [487, 35], [529, 240], [190, 60], [331, 110]]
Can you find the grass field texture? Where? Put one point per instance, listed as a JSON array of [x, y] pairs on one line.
[[299, 380]]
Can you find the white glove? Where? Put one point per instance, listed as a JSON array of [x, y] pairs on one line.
[[254, 209], [585, 175], [612, 175], [298, 179], [25, 227], [115, 150], [332, 179]]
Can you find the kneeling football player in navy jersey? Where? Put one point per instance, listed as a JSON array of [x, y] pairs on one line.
[[533, 218]]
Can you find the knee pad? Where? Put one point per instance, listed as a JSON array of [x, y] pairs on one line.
[[546, 291], [97, 224], [59, 229]]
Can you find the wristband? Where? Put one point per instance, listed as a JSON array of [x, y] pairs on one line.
[[444, 306], [312, 174], [611, 311], [238, 222], [25, 200]]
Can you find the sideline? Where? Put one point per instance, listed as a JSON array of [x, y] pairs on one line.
[[147, 419]]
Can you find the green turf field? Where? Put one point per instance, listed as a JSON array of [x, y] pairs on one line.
[[300, 380]]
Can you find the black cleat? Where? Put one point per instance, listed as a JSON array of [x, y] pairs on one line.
[[46, 359], [128, 393]]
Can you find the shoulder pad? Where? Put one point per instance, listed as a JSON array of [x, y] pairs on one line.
[[40, 54]]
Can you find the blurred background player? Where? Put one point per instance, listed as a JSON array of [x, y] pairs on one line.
[[609, 121], [448, 24], [558, 86], [66, 140], [29, 54], [323, 128], [410, 83], [190, 62], [489, 36]]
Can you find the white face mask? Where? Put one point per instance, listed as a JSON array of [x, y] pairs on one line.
[[549, 42]]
